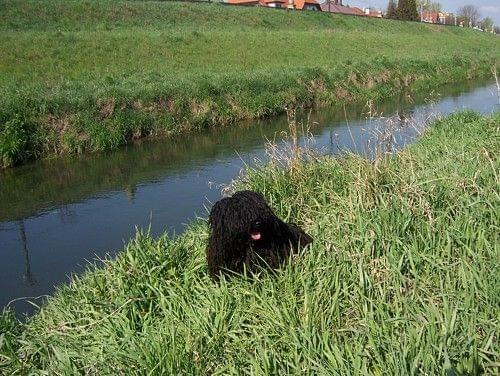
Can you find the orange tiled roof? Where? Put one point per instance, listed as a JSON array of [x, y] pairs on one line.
[[299, 4]]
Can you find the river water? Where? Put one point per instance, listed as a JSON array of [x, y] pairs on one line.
[[56, 214]]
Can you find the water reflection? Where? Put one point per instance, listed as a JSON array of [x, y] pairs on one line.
[[57, 213], [28, 276]]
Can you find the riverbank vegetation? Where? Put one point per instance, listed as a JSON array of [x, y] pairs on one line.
[[81, 176], [91, 75], [402, 278]]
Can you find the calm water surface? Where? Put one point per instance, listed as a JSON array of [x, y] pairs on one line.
[[56, 214]]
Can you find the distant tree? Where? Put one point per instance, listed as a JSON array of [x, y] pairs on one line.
[[435, 7], [449, 19], [407, 10], [469, 15], [392, 10], [487, 24], [497, 29], [429, 6]]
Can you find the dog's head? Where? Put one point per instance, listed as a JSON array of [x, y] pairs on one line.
[[244, 217]]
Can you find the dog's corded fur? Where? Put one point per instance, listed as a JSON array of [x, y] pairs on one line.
[[245, 234]]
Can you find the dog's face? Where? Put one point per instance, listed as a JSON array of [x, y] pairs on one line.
[[255, 231], [262, 230]]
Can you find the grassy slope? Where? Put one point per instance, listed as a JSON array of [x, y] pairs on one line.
[[402, 278], [90, 75]]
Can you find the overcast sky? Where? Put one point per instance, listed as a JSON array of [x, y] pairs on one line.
[[488, 8]]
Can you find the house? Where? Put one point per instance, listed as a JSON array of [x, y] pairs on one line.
[[433, 17], [372, 12], [273, 3], [285, 4], [305, 4], [337, 7]]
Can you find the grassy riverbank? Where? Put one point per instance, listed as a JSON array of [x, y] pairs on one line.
[[92, 75], [402, 278]]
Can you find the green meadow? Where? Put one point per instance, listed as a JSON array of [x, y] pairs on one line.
[[402, 278], [91, 75]]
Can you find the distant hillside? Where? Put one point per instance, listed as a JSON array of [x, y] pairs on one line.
[[91, 75], [86, 14]]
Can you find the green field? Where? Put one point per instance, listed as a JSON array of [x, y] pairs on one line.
[[91, 75], [402, 278]]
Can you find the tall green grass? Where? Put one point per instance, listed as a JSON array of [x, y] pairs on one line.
[[402, 278], [92, 75]]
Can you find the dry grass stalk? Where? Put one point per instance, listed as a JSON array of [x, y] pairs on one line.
[[494, 71]]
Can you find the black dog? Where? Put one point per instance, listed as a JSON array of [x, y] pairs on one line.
[[246, 234]]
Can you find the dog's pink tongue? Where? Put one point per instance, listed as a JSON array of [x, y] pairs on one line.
[[255, 235]]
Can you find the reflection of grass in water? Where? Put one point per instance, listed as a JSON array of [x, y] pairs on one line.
[[401, 279], [26, 190], [76, 78]]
